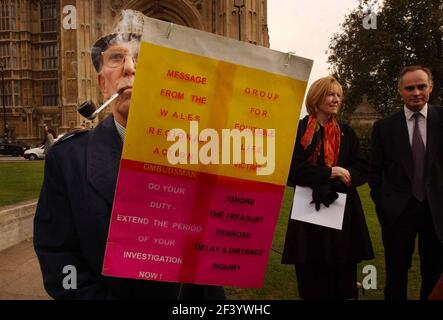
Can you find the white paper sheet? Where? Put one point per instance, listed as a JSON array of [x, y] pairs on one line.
[[304, 210]]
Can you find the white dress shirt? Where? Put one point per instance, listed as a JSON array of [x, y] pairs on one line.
[[120, 129]]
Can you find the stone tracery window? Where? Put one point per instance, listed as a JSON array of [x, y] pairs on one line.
[[8, 17], [49, 56], [48, 16], [12, 93], [50, 92]]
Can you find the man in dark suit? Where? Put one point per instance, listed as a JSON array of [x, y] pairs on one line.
[[406, 180], [73, 212]]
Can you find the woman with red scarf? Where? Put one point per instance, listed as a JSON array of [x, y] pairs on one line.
[[327, 158]]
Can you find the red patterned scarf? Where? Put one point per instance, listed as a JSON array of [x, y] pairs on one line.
[[331, 141]]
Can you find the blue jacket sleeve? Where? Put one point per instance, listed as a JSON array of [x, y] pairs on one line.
[[56, 242]]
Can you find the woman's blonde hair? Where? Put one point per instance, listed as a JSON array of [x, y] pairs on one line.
[[318, 92]]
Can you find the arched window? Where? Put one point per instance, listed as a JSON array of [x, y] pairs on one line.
[[176, 11]]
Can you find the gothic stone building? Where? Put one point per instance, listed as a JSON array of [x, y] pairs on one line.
[[48, 71]]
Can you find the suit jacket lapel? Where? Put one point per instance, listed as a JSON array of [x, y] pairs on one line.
[[401, 138], [103, 158], [433, 126]]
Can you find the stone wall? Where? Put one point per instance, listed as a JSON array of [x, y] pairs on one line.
[[16, 223]]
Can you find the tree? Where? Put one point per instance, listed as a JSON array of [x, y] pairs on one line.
[[367, 61]]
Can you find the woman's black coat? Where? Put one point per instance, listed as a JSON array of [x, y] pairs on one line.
[[308, 243]]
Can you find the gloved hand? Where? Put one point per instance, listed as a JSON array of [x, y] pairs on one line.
[[323, 194], [338, 186]]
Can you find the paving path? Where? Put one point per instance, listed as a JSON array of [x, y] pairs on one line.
[[20, 276], [12, 159]]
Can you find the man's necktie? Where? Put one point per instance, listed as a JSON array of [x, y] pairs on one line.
[[418, 157]]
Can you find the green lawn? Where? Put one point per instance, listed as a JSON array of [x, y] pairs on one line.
[[21, 181]]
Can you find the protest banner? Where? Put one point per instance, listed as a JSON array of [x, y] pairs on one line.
[[184, 211]]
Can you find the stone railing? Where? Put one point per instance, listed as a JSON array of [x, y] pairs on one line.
[[16, 223]]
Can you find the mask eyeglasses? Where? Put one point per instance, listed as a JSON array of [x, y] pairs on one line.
[[114, 58]]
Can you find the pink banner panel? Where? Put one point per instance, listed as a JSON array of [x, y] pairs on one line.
[[176, 225]]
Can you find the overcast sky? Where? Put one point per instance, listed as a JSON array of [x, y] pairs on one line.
[[306, 27]]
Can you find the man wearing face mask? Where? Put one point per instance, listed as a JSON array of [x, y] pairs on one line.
[[75, 204]]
